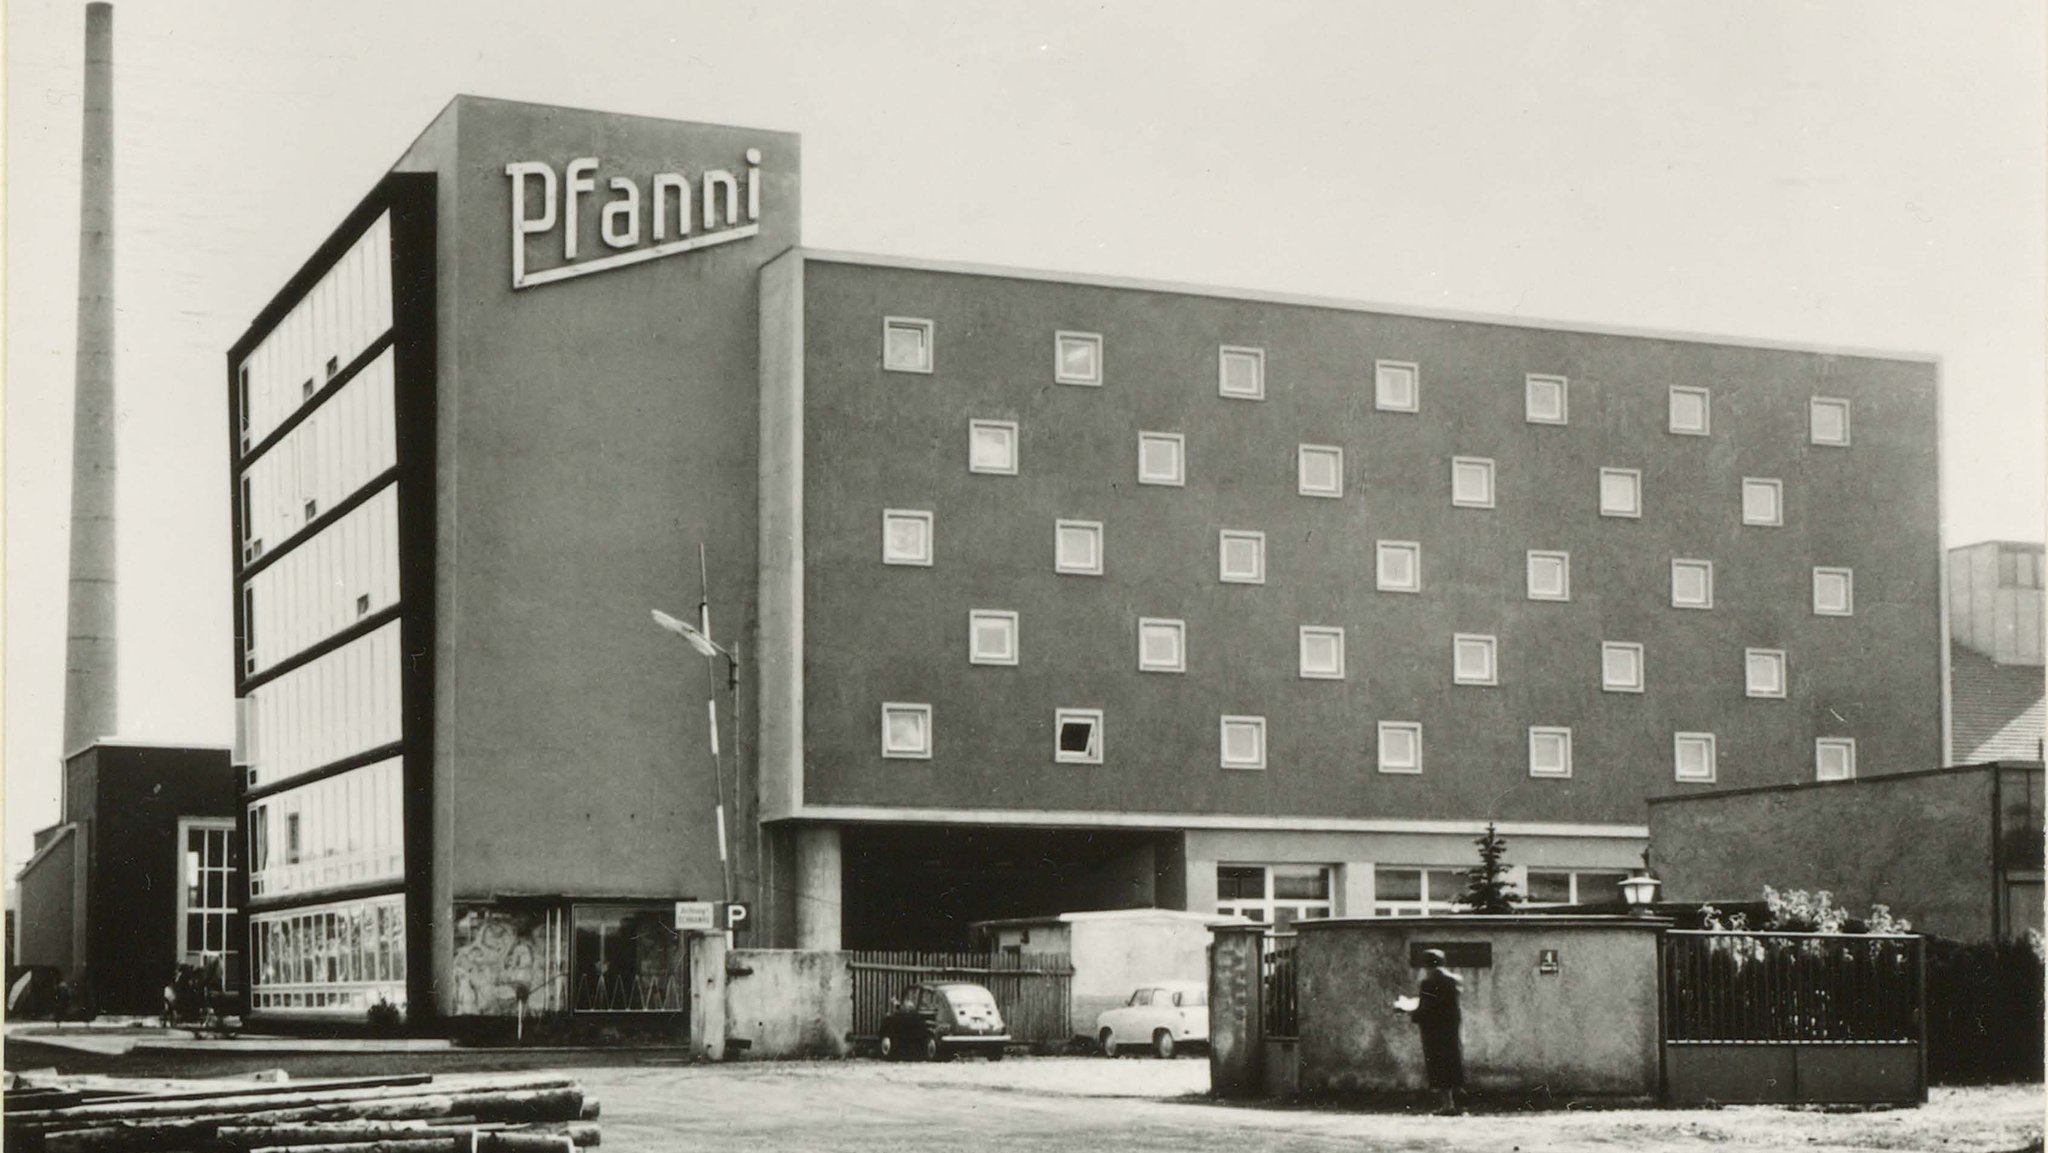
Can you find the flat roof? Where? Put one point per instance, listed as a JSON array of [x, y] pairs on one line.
[[1910, 775], [1339, 304]]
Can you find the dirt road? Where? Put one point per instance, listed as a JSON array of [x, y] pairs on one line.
[[656, 1103], [1084, 1103]]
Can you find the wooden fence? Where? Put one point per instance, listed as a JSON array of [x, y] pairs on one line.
[[1033, 990]]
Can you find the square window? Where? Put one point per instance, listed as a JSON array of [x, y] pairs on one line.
[[1399, 565], [1690, 411], [1162, 458], [1472, 659], [1828, 421], [1322, 652], [1544, 399], [1550, 751], [363, 605], [1241, 372], [991, 637], [1621, 492], [1400, 747], [1077, 547], [1693, 757], [1471, 482], [906, 344], [1319, 470], [1396, 386], [312, 509], [992, 447], [1241, 557], [907, 731], [1764, 672], [1834, 759], [1162, 645], [1077, 358], [1244, 742], [1692, 584], [1763, 501], [1834, 592], [1550, 576], [1077, 736], [906, 536], [306, 389], [1621, 667], [333, 366]]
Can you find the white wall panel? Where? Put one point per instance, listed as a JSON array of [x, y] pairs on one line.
[[343, 314], [329, 456], [339, 705], [351, 832], [319, 588]]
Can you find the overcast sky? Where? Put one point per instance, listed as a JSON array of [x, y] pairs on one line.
[[1857, 173]]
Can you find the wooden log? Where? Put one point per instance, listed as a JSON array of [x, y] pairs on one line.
[[559, 1104], [478, 1142], [358, 1132], [193, 1091], [156, 1133], [241, 1100]]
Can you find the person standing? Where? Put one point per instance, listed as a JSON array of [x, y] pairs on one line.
[[1436, 1013]]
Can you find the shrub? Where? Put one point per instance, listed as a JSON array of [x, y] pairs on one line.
[[1984, 1011], [1487, 889]]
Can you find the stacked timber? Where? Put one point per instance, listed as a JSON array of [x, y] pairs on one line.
[[542, 1113]]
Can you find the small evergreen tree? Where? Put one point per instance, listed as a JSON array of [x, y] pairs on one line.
[[1487, 888]]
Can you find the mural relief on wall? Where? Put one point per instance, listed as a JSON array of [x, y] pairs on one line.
[[503, 955]]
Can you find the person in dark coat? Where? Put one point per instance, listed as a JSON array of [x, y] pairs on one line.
[[1438, 1016]]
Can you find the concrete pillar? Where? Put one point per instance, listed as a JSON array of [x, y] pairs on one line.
[[819, 893], [1200, 892], [1237, 1033], [89, 652], [707, 996], [1355, 896]]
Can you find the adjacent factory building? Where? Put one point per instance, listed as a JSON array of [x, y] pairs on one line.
[[1044, 592]]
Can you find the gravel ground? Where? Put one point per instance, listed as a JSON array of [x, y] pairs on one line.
[[655, 1102]]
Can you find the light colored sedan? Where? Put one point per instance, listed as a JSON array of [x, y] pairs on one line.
[[1164, 1016]]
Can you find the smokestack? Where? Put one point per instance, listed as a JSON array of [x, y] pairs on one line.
[[90, 664]]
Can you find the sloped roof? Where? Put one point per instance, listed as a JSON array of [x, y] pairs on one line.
[[1997, 710]]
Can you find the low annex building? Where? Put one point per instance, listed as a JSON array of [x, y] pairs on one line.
[[1048, 592], [139, 875]]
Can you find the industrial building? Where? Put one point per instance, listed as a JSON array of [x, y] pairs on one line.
[[136, 877], [1996, 676], [1037, 592]]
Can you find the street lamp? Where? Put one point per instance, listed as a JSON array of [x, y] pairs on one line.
[[699, 638], [1640, 891]]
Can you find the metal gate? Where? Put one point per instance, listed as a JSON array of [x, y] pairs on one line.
[[1280, 1010], [1033, 990], [1781, 1017]]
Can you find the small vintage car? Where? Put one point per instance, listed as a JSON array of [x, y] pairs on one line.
[[936, 1021], [1164, 1016]]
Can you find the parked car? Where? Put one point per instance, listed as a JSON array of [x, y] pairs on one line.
[[936, 1021], [1164, 1016]]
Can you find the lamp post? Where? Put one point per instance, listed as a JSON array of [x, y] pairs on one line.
[[1640, 891], [699, 638]]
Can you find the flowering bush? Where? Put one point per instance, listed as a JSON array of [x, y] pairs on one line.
[[1798, 911]]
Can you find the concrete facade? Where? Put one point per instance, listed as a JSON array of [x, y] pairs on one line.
[[1567, 1006], [580, 401], [1967, 867]]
